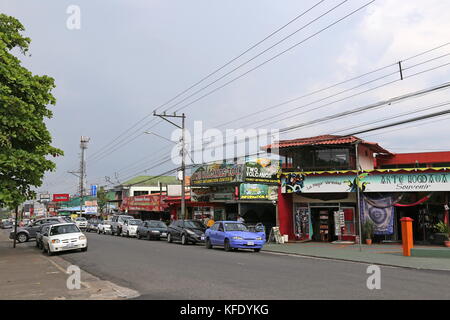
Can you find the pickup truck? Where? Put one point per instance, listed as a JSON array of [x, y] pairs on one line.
[[117, 224]]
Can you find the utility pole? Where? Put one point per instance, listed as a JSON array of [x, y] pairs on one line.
[[358, 197], [83, 146], [164, 116]]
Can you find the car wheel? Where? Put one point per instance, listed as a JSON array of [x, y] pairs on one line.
[[138, 236], [49, 252], [184, 240], [149, 236], [98, 231], [22, 237], [128, 234], [226, 245], [208, 244], [257, 249], [169, 238], [37, 244]]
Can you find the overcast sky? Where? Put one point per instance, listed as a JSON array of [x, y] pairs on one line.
[[129, 57]]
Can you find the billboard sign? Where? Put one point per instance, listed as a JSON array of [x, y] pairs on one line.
[[218, 174], [262, 170], [60, 197], [257, 192], [94, 190]]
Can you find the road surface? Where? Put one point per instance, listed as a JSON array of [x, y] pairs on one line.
[[161, 270]]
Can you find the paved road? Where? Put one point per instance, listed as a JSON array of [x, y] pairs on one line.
[[160, 270]]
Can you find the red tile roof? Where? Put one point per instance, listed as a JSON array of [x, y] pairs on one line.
[[327, 140]]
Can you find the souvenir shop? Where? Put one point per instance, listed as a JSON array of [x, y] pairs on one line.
[[324, 206]]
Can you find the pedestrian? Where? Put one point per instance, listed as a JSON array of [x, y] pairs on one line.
[[240, 219], [209, 221]]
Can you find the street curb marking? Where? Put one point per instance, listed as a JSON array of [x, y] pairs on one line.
[[353, 261]]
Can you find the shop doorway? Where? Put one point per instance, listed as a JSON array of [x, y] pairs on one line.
[[322, 220]]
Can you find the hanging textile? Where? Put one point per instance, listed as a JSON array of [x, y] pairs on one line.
[[415, 203], [302, 223], [381, 212]]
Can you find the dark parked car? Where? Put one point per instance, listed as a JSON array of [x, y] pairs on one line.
[[28, 232], [152, 229], [187, 231], [43, 229]]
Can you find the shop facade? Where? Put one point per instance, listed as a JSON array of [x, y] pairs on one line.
[[247, 189], [324, 204]]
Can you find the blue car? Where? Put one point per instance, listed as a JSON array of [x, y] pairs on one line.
[[233, 235]]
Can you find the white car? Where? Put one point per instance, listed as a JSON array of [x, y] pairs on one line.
[[63, 237], [81, 222], [104, 227], [130, 227]]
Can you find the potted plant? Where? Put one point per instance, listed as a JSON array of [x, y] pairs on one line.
[[443, 231], [369, 228]]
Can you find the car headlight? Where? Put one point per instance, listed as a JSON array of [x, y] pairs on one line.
[[55, 241], [237, 238], [82, 238], [258, 238]]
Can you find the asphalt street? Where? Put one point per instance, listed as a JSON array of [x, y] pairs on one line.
[[161, 270]]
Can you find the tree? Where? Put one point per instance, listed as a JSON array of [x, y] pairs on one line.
[[24, 138], [102, 199]]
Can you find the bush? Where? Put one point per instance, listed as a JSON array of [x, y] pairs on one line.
[[368, 229]]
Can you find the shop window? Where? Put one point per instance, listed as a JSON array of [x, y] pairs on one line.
[[140, 193]]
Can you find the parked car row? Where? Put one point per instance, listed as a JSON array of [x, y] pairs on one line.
[[231, 235]]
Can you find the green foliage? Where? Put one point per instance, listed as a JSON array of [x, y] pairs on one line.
[[368, 229], [102, 199], [442, 227], [24, 138]]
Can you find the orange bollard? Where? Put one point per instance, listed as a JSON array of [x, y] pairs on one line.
[[407, 236]]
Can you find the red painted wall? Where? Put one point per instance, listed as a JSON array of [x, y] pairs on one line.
[[285, 214], [411, 158]]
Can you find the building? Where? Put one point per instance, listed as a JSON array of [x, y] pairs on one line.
[[248, 188], [139, 186], [323, 177]]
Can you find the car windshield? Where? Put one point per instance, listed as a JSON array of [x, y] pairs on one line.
[[63, 229], [134, 222], [235, 227], [193, 224], [157, 224]]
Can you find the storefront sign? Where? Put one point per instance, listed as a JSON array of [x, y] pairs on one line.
[[257, 192], [299, 183], [145, 203], [262, 170], [217, 174], [386, 182], [90, 209], [409, 182]]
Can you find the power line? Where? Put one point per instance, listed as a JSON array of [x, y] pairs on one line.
[[259, 54], [218, 69], [277, 55], [269, 60]]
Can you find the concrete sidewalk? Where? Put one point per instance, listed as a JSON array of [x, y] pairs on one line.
[[26, 274], [386, 254]]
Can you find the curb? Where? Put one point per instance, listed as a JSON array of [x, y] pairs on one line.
[[353, 261]]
